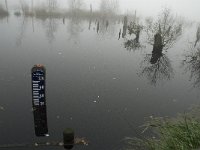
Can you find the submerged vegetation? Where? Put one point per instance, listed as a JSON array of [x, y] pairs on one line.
[[180, 133]]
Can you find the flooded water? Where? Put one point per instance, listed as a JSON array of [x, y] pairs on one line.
[[98, 81]]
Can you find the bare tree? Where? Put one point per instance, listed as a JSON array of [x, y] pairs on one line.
[[167, 26]]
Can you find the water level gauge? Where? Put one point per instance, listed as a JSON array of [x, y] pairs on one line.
[[39, 100]]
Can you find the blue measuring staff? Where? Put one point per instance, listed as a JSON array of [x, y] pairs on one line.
[[39, 100]]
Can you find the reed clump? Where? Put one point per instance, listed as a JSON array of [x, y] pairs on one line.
[[179, 133]]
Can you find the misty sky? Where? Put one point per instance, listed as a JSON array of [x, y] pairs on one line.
[[188, 8]]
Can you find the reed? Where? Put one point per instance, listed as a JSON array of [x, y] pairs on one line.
[[179, 133]]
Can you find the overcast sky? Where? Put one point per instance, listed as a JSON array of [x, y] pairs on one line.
[[188, 8]]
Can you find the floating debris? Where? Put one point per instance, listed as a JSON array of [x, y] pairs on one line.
[[32, 109], [94, 101], [92, 68], [98, 96], [2, 108], [60, 53], [81, 141], [174, 100], [60, 144], [77, 141], [114, 78]]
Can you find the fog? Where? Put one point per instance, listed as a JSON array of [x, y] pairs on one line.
[[110, 65], [187, 8]]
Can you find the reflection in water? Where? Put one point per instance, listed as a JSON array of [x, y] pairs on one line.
[[106, 26], [197, 36], [167, 27], [40, 121], [74, 28], [125, 25], [51, 28], [90, 23], [156, 67], [21, 31], [120, 32], [107, 23], [4, 12], [63, 20], [192, 65], [132, 44], [98, 27]]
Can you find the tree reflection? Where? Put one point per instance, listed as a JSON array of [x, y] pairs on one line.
[[74, 28], [51, 28], [132, 44], [3, 12], [192, 65], [105, 27], [21, 31], [158, 69], [197, 36], [125, 25]]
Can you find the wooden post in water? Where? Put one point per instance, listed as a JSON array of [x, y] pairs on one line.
[[68, 138]]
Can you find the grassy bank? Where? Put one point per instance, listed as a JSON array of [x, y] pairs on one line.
[[179, 133]]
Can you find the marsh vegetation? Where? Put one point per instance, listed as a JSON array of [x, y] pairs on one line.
[[180, 133]]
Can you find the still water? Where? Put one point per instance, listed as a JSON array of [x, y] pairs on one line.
[[95, 83]]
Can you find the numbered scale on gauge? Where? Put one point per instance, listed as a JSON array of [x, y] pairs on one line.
[[39, 100]]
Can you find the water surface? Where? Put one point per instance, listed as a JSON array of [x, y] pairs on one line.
[[95, 85]]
